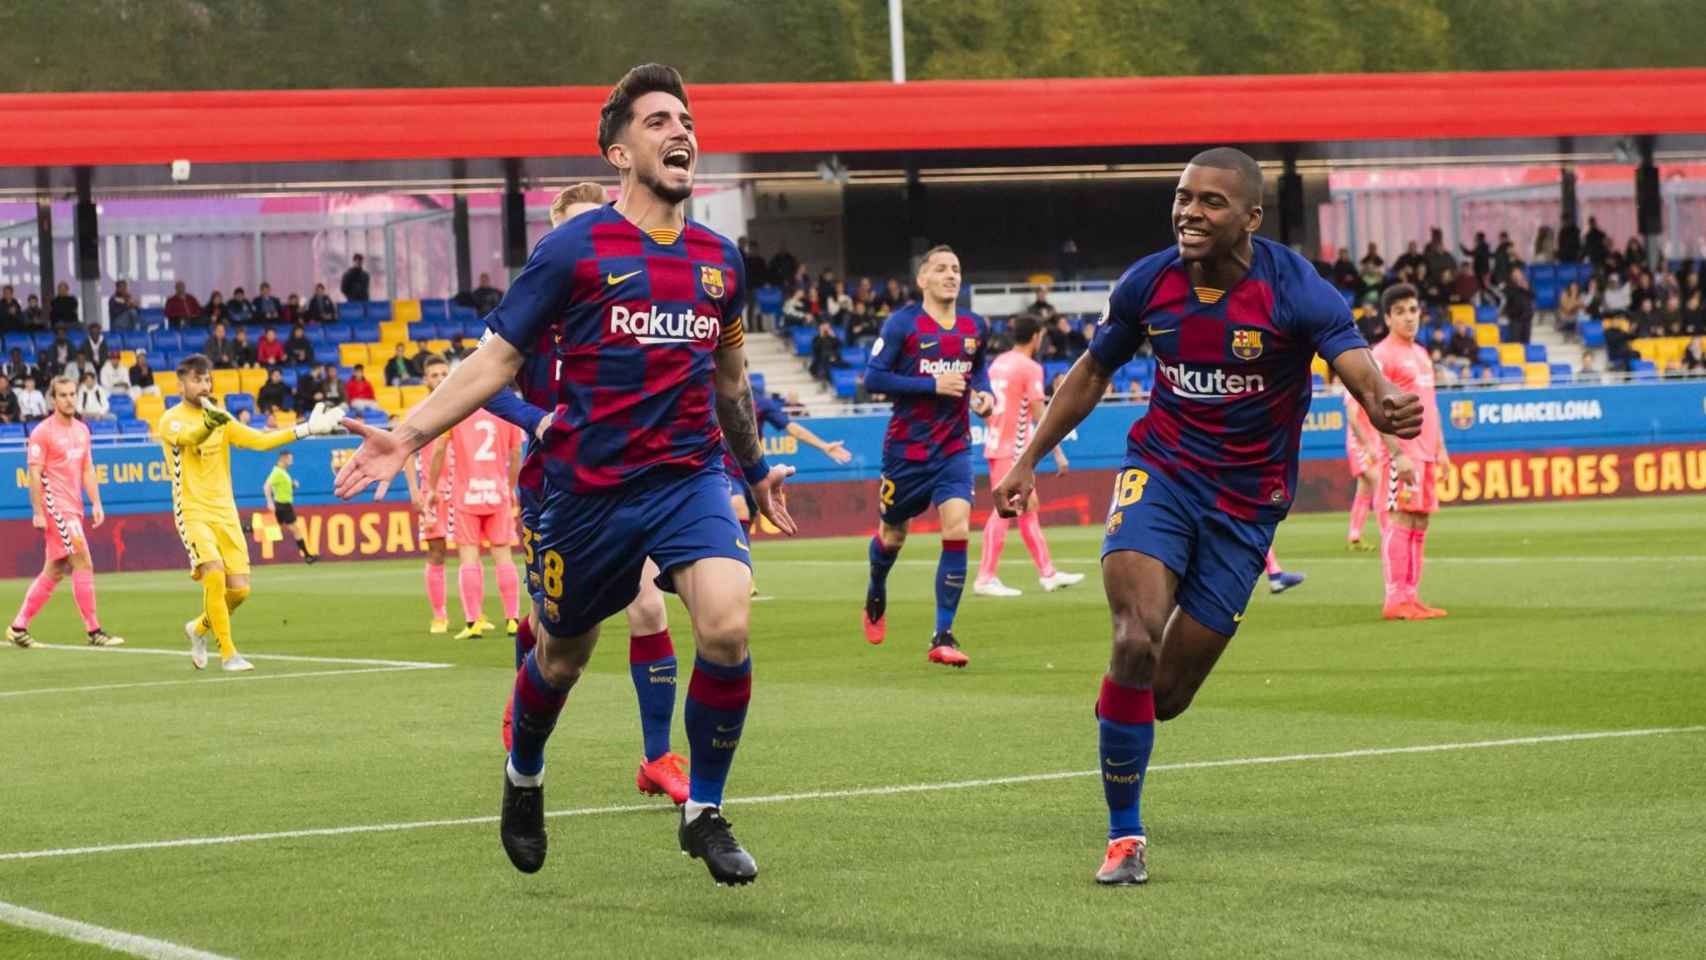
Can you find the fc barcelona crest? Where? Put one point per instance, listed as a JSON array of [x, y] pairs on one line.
[[1246, 343], [711, 279], [1463, 414], [971, 344]]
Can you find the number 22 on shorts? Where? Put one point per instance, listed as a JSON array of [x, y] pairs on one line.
[[1130, 489]]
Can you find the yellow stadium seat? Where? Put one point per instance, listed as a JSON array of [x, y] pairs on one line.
[[438, 346], [252, 379], [350, 354], [1646, 347], [127, 357], [226, 381], [1318, 366], [1512, 354], [412, 395], [286, 418], [1536, 375], [1462, 313], [405, 311], [390, 400], [149, 407], [1486, 334]]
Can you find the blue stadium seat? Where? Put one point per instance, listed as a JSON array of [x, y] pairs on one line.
[[315, 333], [757, 381], [1486, 313], [435, 309], [121, 406], [103, 428], [173, 400], [352, 310], [132, 339], [1510, 374], [463, 314], [424, 330], [44, 341], [165, 340], [152, 317], [238, 402], [21, 342], [855, 356], [803, 341], [375, 416], [845, 382], [1593, 333], [1562, 374], [1487, 356], [1546, 294], [1350, 297], [364, 331], [1547, 272], [133, 428], [12, 433], [1644, 370], [337, 333], [473, 329], [769, 300], [288, 375], [325, 353], [1052, 369], [379, 311], [1536, 353]]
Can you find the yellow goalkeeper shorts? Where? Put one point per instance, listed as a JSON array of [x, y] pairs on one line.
[[221, 542]]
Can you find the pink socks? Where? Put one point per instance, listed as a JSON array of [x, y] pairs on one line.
[[509, 590], [1395, 563], [472, 579], [1414, 583], [435, 590], [83, 588], [1359, 514], [1031, 528], [34, 599], [994, 539], [1274, 568]]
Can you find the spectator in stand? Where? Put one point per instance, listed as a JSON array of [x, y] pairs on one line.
[[1063, 342], [795, 312], [142, 376], [213, 312], [331, 386], [1589, 372], [1480, 256], [123, 310], [459, 350], [862, 328], [1436, 257], [115, 376], [182, 308], [293, 312], [16, 368], [32, 405], [1594, 244], [267, 307], [1411, 258], [10, 411], [298, 350], [1436, 294], [398, 368], [1635, 251], [355, 282], [826, 351], [270, 351], [1694, 357], [11, 311], [35, 318], [63, 311], [1519, 306], [486, 296], [242, 351], [1618, 351], [58, 354], [892, 297], [1372, 260], [1040, 306], [865, 293], [1344, 272], [1463, 350], [1669, 321], [238, 309], [92, 398], [1642, 296], [1464, 285], [1545, 248], [360, 390], [321, 309], [308, 392], [274, 394], [1569, 242], [95, 341], [1371, 323], [1571, 311], [1694, 315], [1618, 295], [826, 287], [783, 267], [218, 347], [839, 306], [1504, 259]]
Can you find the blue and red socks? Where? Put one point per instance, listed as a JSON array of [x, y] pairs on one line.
[[524, 640], [882, 561], [651, 662], [950, 583], [1126, 716], [717, 696], [537, 705]]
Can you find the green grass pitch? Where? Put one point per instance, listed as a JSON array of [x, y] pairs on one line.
[[1569, 618]]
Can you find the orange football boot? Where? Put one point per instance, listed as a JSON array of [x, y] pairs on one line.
[[666, 774], [1126, 864]]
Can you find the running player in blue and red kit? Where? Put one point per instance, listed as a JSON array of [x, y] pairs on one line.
[[929, 358], [645, 306], [1211, 469]]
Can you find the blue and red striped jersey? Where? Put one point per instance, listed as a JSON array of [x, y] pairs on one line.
[[1232, 380], [910, 353], [631, 321]]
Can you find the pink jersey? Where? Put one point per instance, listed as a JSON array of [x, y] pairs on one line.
[[61, 448], [1017, 380], [481, 447], [1357, 418], [1408, 366]]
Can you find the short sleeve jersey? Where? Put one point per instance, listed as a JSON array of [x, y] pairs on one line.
[[1232, 383], [61, 449], [927, 425], [1017, 381], [627, 322], [481, 446], [1411, 369]]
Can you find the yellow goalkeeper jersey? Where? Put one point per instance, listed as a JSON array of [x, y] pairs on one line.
[[198, 461]]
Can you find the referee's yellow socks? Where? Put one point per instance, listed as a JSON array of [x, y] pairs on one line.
[[217, 608]]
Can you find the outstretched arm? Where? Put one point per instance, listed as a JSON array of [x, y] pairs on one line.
[[834, 450]]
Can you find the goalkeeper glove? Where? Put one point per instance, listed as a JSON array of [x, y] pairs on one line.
[[213, 417], [321, 422]]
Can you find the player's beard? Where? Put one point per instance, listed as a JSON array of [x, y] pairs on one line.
[[669, 194]]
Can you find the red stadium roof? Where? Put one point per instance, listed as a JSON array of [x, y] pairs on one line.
[[97, 129]]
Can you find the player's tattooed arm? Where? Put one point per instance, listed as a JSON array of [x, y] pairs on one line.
[[739, 421]]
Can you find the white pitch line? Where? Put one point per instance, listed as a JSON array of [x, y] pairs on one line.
[[1307, 560], [281, 657], [132, 944], [853, 792], [8, 694]]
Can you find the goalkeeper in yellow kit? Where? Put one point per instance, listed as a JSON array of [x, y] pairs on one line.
[[198, 436]]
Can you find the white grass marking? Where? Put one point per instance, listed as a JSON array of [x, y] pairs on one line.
[[281, 657], [1303, 560], [118, 941], [852, 792], [8, 694]]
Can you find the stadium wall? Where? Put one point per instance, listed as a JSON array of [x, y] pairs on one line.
[[1508, 446]]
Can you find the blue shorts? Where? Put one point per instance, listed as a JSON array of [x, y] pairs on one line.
[[589, 550], [1217, 558], [530, 503], [738, 487], [907, 488]]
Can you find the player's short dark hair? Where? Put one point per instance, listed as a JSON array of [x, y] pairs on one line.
[[433, 360], [1231, 158], [1391, 296], [636, 83], [1025, 327], [195, 363], [938, 248]]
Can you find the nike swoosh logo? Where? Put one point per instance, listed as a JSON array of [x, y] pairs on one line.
[[1110, 761], [1151, 331], [1238, 618], [743, 546], [612, 279], [723, 729], [654, 668]]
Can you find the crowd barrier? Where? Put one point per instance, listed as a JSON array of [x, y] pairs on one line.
[[1507, 446]]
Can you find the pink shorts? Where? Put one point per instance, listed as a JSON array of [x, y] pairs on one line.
[[1421, 497], [1354, 458], [496, 529], [998, 467], [64, 536], [432, 524]]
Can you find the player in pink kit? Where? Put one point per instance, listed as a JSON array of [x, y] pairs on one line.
[[61, 470], [486, 453], [1362, 456], [1410, 466], [432, 515], [1017, 380]]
